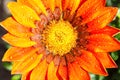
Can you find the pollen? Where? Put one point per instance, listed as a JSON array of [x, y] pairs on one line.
[[59, 37]]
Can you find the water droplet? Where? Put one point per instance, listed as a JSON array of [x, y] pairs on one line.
[[98, 21], [32, 58], [11, 57]]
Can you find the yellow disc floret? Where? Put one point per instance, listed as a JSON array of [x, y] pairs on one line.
[[59, 37]]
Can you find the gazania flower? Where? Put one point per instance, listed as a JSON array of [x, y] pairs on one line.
[[60, 39]]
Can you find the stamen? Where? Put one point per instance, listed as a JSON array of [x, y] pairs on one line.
[[59, 37], [60, 40]]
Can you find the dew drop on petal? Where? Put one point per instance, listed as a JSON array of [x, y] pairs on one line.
[[11, 57]]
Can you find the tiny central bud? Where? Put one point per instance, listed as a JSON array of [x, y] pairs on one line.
[[59, 37]]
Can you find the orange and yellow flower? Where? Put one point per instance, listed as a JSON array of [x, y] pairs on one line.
[[60, 39]]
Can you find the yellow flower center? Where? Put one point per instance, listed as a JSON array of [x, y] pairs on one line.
[[59, 37]]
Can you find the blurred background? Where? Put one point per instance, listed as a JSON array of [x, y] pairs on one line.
[[5, 67]]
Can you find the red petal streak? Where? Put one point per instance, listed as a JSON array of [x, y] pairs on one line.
[[106, 60], [26, 65], [106, 30], [65, 3], [102, 43], [76, 72], [26, 76], [107, 15], [62, 70], [39, 72], [89, 62], [52, 72], [82, 1]]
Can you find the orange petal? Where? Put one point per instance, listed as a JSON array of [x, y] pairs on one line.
[[87, 6], [107, 15], [15, 28], [102, 43], [106, 60], [65, 4], [106, 30], [89, 62], [82, 1], [18, 54], [17, 41], [49, 4], [52, 72], [92, 13], [62, 70], [26, 16], [71, 5], [58, 3], [37, 5], [20, 67], [76, 72], [26, 76], [74, 6], [39, 72]]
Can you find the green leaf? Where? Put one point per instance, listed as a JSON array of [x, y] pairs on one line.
[[117, 36], [16, 77], [115, 55], [7, 65], [118, 14]]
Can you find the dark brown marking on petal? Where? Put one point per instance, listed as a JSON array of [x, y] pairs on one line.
[[49, 57], [82, 42], [82, 36], [82, 28], [36, 37], [76, 51], [66, 14], [71, 17], [36, 30], [70, 57], [56, 60], [57, 13], [59, 76], [50, 15], [44, 20], [76, 22], [39, 26], [63, 61]]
